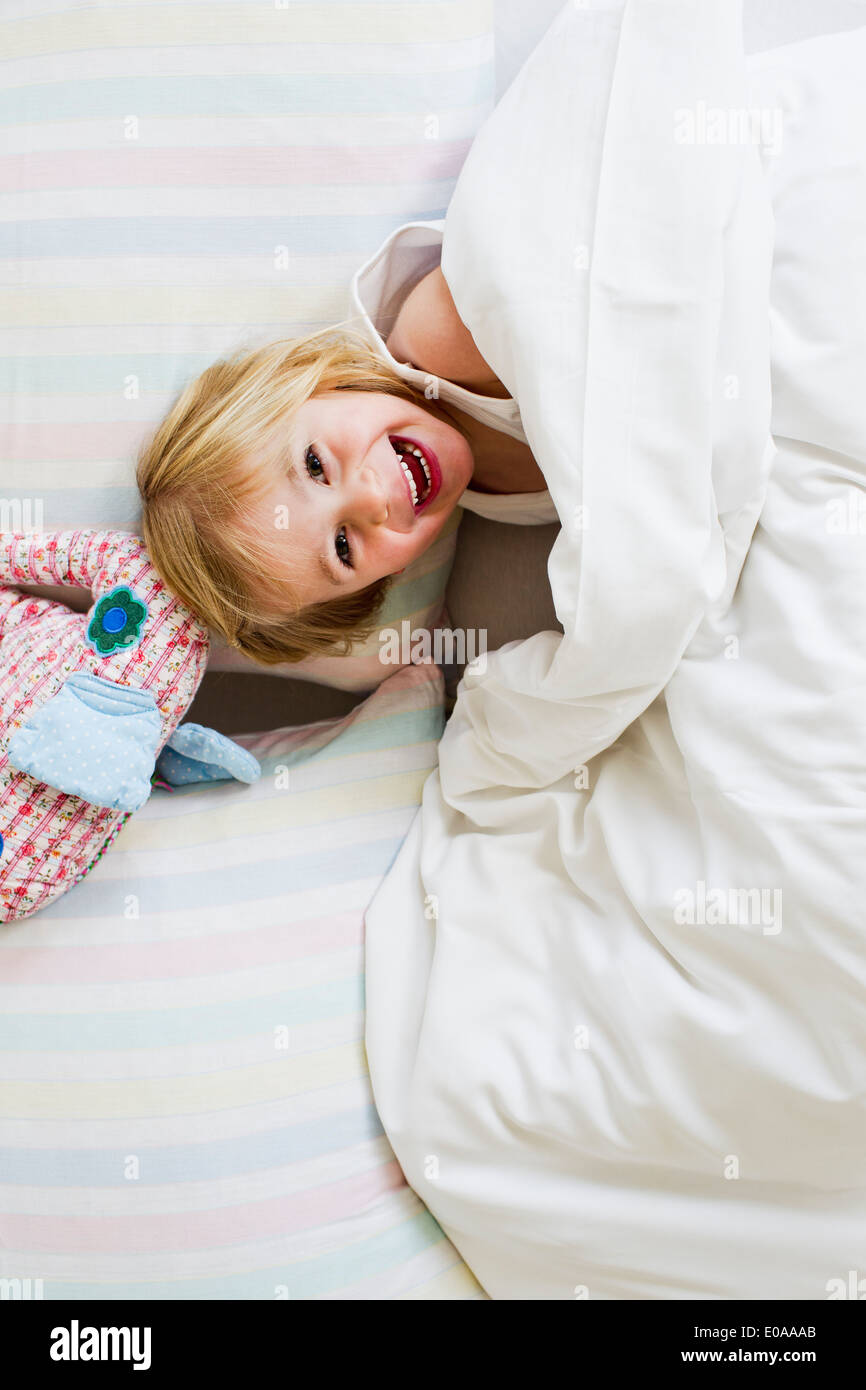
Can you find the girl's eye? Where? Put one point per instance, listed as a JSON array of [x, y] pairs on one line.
[[341, 543], [307, 456], [344, 553]]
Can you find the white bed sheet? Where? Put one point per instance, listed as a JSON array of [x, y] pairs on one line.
[[615, 977]]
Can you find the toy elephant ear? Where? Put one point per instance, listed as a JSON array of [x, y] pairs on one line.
[[95, 739], [196, 754]]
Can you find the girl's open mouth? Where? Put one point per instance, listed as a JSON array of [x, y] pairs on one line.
[[420, 468]]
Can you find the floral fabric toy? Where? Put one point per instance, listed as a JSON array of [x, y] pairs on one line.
[[90, 706]]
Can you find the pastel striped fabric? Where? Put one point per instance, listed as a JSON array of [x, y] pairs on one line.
[[181, 179], [185, 1107]]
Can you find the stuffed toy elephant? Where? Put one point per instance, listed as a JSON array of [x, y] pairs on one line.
[[90, 707]]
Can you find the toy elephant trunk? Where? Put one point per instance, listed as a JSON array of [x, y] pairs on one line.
[[88, 703]]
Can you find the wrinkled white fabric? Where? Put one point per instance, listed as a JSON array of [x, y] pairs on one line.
[[615, 975]]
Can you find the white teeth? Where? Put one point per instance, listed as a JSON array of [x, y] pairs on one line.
[[413, 449], [407, 470], [423, 462]]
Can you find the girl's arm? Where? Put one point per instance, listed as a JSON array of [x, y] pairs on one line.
[[61, 558], [429, 334]]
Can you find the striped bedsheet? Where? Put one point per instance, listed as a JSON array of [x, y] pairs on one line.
[[185, 1106]]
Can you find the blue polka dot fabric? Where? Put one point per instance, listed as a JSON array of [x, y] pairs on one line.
[[196, 754], [94, 739]]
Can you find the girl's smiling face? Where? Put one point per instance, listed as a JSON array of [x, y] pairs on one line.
[[342, 500]]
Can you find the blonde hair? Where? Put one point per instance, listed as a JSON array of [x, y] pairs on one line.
[[197, 483]]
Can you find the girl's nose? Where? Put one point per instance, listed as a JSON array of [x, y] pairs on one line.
[[368, 497]]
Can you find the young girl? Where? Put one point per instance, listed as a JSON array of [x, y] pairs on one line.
[[289, 483]]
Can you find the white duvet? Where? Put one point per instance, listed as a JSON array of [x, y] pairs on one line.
[[615, 976]]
